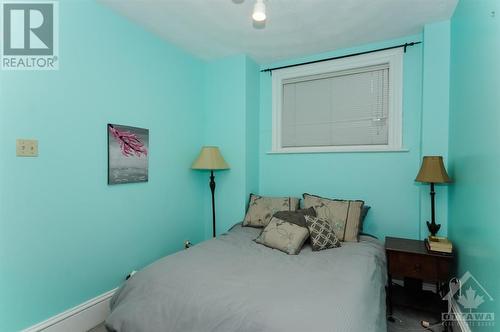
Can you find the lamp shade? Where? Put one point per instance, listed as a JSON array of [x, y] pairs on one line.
[[210, 158], [432, 170]]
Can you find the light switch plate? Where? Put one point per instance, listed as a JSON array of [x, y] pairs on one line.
[[26, 148]]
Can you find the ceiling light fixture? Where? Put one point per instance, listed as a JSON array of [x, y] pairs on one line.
[[259, 11]]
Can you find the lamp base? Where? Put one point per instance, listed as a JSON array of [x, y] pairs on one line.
[[433, 228]]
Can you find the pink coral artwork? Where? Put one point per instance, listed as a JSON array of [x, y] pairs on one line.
[[127, 154]]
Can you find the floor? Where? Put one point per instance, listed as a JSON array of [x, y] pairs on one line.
[[405, 320], [98, 328]]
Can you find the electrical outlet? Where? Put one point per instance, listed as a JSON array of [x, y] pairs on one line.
[[26, 148]]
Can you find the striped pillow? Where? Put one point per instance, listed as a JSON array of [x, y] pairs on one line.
[[343, 215], [261, 209]]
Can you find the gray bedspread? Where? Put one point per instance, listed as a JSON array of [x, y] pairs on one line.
[[234, 284]]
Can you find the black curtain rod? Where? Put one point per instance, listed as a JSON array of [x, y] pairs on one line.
[[405, 45]]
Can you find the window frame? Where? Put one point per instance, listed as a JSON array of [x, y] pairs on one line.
[[393, 57]]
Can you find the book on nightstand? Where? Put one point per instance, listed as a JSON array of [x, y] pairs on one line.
[[439, 244]]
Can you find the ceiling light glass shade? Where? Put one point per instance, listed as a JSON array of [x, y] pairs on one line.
[[259, 11]]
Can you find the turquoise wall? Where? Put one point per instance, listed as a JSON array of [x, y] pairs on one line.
[[224, 126], [384, 180], [231, 122], [65, 235], [435, 114], [252, 86], [474, 136]]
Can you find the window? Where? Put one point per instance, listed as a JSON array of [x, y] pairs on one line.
[[350, 104]]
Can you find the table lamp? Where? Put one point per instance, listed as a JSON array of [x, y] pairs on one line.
[[432, 171], [210, 159]]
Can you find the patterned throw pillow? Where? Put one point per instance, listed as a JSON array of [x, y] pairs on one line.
[[344, 216], [284, 236], [296, 217], [321, 233], [261, 209]]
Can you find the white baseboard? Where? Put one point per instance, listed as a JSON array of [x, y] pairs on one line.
[[81, 318], [462, 324]]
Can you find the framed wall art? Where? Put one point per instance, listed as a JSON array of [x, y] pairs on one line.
[[127, 154]]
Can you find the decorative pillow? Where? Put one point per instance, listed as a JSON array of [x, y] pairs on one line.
[[261, 209], [364, 212], [322, 234], [296, 217], [344, 216], [284, 236]]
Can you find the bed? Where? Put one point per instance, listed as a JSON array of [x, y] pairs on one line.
[[232, 283]]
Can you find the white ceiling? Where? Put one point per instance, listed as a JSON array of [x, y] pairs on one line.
[[216, 28]]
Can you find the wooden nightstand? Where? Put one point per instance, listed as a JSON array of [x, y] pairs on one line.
[[410, 259]]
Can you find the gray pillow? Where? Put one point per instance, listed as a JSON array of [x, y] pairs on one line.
[[261, 209], [296, 217], [284, 236], [364, 212], [321, 233]]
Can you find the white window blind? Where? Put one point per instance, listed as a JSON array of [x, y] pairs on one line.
[[341, 108]]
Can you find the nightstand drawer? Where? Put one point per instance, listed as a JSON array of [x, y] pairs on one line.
[[416, 266]]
